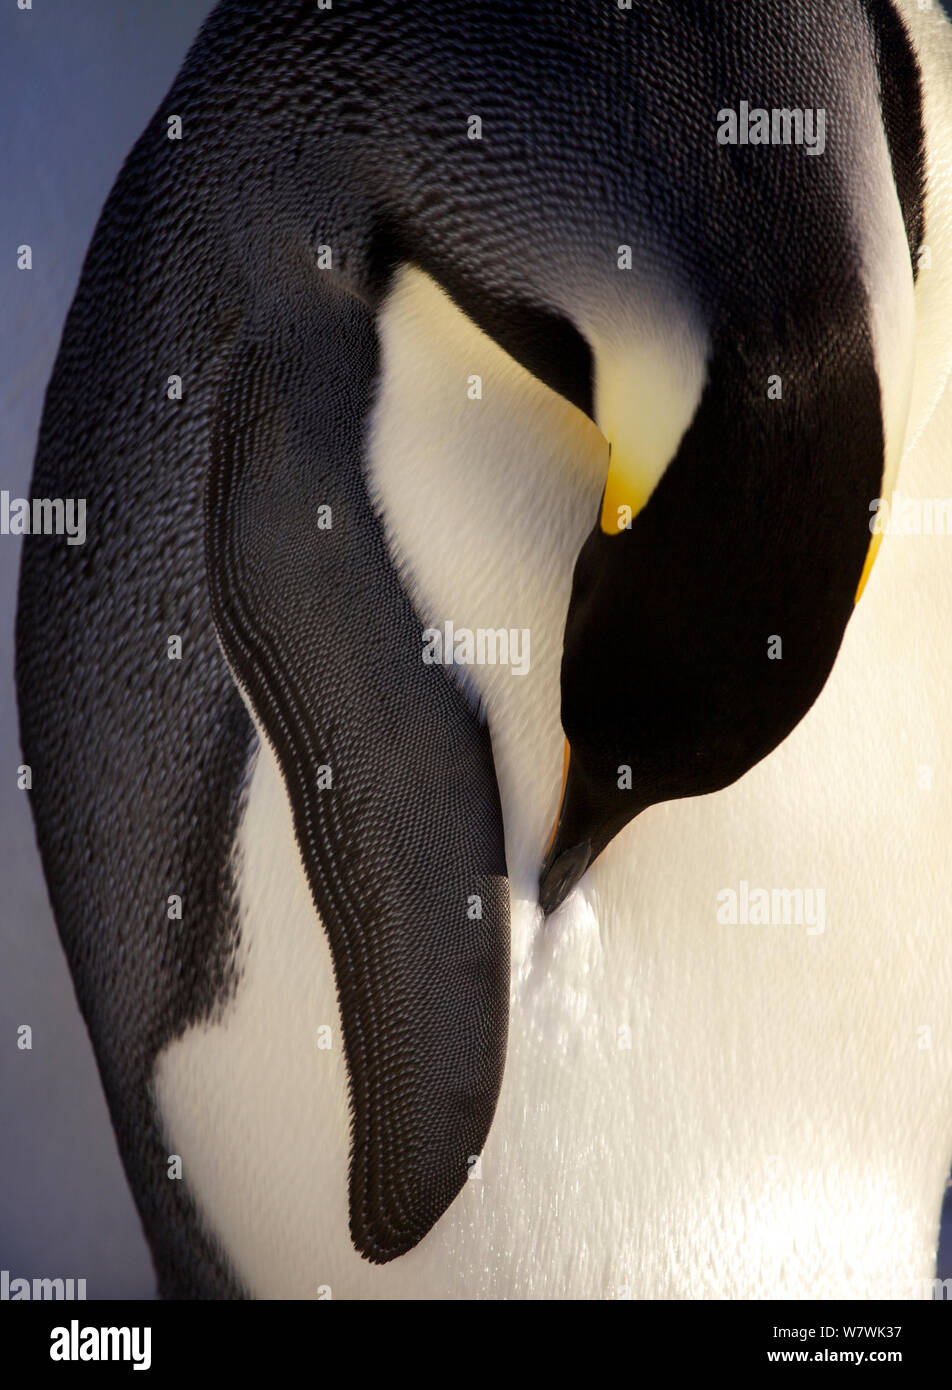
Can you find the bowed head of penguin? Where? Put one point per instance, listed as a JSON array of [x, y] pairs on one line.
[[492, 401]]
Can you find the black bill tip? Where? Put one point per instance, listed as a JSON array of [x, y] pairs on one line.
[[561, 874]]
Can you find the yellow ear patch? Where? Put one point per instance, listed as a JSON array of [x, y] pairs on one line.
[[871, 554], [627, 489], [648, 384]]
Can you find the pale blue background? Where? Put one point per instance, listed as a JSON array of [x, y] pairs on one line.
[[79, 79]]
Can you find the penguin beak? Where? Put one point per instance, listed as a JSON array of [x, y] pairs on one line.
[[646, 396], [583, 827], [566, 859], [561, 871]]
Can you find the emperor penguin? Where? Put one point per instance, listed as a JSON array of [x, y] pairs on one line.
[[493, 806]]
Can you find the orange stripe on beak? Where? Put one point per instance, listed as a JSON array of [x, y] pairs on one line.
[[565, 773]]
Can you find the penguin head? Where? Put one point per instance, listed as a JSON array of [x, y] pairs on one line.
[[704, 620]]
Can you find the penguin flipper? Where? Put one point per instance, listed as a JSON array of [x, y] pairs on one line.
[[388, 770]]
